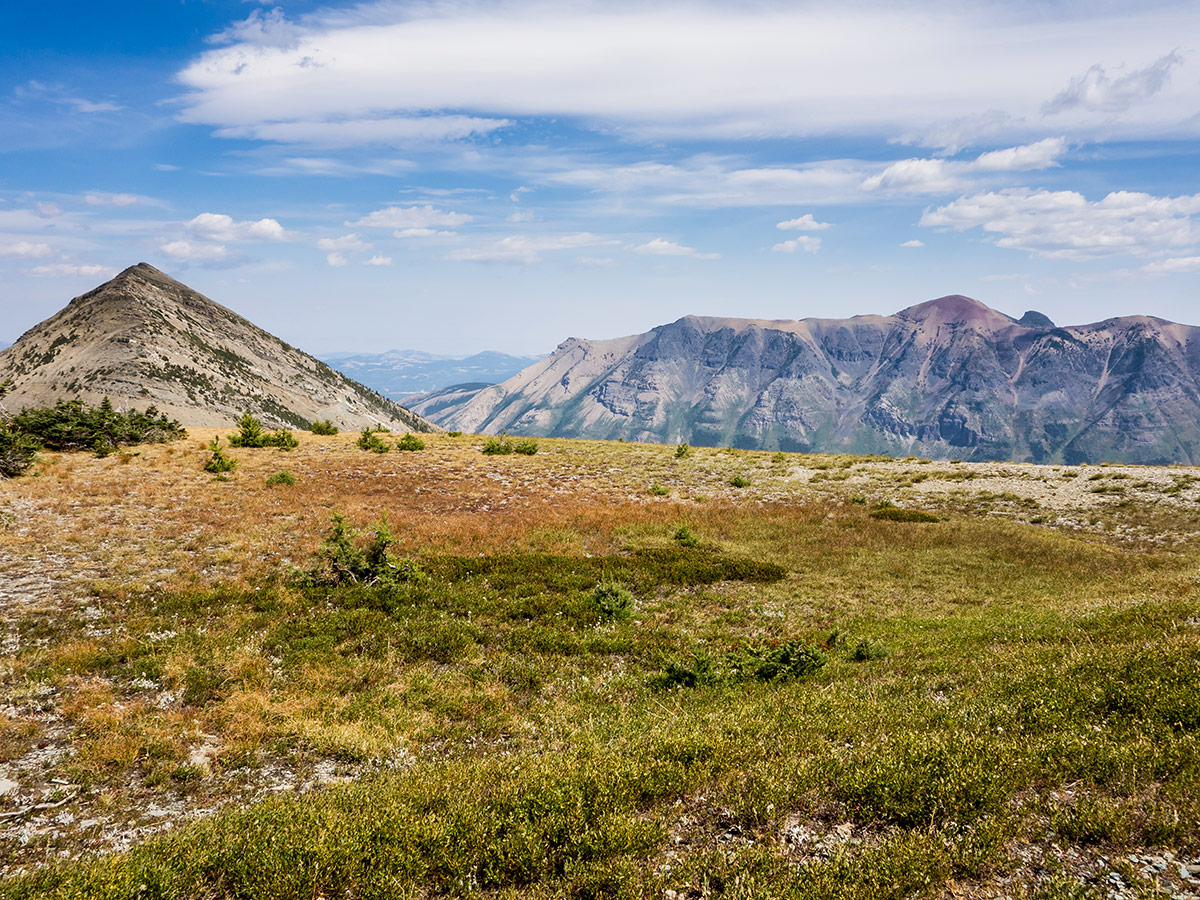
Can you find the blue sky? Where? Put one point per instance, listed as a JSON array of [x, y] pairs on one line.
[[503, 175]]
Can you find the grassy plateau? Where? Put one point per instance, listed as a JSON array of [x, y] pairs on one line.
[[589, 669]]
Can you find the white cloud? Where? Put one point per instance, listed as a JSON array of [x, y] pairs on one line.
[[806, 222], [220, 227], [422, 232], [378, 260], [520, 215], [520, 248], [1096, 92], [48, 210], [805, 242], [412, 221], [913, 244], [1040, 155], [69, 270], [186, 251], [25, 250], [373, 71], [939, 176], [1174, 266], [595, 262], [87, 106], [663, 247], [337, 260], [1065, 225], [110, 199], [347, 243]]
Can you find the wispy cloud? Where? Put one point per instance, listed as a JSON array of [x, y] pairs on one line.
[[527, 249], [413, 221], [25, 250], [1095, 91], [805, 242]]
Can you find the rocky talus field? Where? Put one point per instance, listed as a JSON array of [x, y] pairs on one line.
[[595, 669]]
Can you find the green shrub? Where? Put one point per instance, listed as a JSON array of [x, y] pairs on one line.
[[369, 439], [324, 427], [349, 556], [527, 447], [657, 490], [410, 442], [683, 451], [454, 434], [17, 450], [896, 514], [685, 537], [778, 661], [613, 600], [739, 481], [284, 477], [251, 434], [283, 440], [73, 425], [497, 447], [219, 463], [866, 650]]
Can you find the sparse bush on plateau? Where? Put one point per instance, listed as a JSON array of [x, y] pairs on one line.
[[683, 451], [284, 477], [657, 490], [218, 463], [685, 537], [324, 427], [502, 446], [351, 556], [527, 447], [739, 481], [410, 442], [251, 434], [73, 425], [613, 600], [17, 450], [369, 439]]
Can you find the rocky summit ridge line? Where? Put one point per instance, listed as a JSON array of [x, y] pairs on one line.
[[144, 338], [949, 378]]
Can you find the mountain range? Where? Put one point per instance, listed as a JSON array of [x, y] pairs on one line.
[[950, 377], [403, 374], [143, 338]]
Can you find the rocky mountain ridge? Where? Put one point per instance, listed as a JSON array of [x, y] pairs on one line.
[[144, 338], [949, 378]]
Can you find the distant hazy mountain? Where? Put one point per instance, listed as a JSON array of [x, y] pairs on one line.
[[143, 338], [946, 378], [401, 374]]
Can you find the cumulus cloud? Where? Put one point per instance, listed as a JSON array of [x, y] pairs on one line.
[[1095, 91], [337, 260], [413, 221], [25, 250], [220, 227], [806, 222], [1066, 225], [71, 270], [663, 247], [913, 244], [805, 242], [937, 176], [520, 248], [378, 260]]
